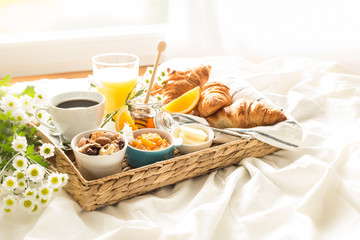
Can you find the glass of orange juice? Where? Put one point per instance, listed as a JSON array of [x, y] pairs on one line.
[[118, 73]]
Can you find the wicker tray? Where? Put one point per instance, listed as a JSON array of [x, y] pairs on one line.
[[132, 182]]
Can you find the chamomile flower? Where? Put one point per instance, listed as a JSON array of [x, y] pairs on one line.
[[64, 179], [43, 115], [26, 103], [20, 163], [21, 185], [9, 103], [20, 116], [94, 82], [9, 203], [27, 203], [5, 89], [47, 150], [40, 97], [30, 192], [19, 144], [44, 192], [44, 202], [54, 180], [10, 183], [35, 172], [128, 133], [20, 175], [36, 209]]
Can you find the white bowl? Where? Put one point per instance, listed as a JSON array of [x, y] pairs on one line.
[[93, 167], [186, 148]]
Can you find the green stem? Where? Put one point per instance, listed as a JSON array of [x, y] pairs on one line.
[[111, 115]]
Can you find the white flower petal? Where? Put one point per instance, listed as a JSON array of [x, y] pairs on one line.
[[47, 150]]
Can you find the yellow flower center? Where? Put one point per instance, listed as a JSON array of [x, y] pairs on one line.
[[47, 150], [27, 203], [10, 183], [20, 163], [34, 172], [9, 202], [54, 180], [45, 191]]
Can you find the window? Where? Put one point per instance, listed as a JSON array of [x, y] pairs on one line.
[[42, 36]]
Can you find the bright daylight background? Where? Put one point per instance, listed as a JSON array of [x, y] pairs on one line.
[[41, 36]]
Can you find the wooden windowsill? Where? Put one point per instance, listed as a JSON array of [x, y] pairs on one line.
[[81, 74]]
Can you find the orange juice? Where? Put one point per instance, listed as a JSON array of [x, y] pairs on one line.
[[117, 84]]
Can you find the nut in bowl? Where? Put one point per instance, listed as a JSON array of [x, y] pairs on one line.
[[151, 145], [99, 153], [195, 137]]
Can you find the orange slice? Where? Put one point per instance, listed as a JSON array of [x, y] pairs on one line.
[[122, 117], [185, 103]]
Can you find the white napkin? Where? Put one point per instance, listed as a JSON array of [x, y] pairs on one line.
[[285, 135]]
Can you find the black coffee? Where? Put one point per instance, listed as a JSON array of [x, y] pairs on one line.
[[77, 103]]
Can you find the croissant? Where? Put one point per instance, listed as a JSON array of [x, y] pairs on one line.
[[246, 114], [179, 82], [214, 95]]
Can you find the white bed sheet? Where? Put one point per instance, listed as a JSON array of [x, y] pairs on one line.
[[311, 193]]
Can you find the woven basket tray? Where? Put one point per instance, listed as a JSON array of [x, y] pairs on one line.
[[132, 182]]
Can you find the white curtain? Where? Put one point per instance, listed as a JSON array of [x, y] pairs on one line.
[[262, 29]]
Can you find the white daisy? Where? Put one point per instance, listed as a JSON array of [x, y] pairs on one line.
[[44, 192], [19, 144], [30, 192], [64, 179], [20, 163], [128, 133], [47, 150], [44, 202], [5, 89], [27, 203], [26, 103], [9, 103], [43, 115], [94, 82], [40, 97], [9, 183], [35, 172], [20, 116], [21, 185], [20, 175], [9, 203], [54, 180], [36, 209]]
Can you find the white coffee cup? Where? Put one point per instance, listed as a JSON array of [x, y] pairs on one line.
[[73, 120]]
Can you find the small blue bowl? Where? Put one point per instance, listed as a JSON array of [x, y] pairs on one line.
[[138, 158]]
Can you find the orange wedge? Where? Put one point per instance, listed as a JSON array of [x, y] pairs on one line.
[[122, 117], [185, 103]]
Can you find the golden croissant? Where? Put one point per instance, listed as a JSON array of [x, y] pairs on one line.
[[214, 95], [245, 113], [179, 82]]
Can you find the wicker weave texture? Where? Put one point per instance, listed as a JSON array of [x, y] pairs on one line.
[[109, 190]]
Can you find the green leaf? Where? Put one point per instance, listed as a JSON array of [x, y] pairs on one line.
[[30, 150], [5, 81], [39, 160], [30, 91]]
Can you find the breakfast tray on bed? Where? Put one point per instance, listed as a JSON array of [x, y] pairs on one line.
[[132, 182]]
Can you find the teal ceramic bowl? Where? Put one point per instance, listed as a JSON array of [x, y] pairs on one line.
[[138, 158]]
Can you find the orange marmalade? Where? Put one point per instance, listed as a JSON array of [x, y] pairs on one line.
[[149, 141]]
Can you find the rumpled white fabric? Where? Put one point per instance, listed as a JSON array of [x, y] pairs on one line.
[[310, 193]]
